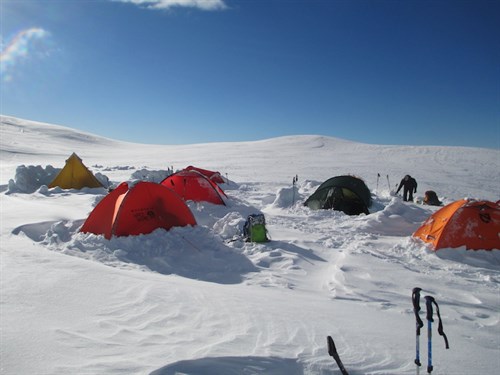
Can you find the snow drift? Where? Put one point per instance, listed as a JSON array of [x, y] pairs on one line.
[[199, 300]]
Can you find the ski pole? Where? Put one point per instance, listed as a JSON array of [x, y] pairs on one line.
[[428, 305], [418, 325], [293, 189], [332, 350]]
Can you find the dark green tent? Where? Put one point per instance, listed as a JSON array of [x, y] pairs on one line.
[[342, 193]]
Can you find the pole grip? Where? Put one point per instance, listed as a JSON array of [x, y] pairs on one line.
[[428, 304], [415, 298]]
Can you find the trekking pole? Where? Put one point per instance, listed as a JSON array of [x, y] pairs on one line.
[[332, 350], [415, 297], [428, 305]]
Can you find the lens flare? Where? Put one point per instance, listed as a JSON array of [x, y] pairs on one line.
[[23, 45]]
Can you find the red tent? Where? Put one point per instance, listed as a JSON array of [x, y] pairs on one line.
[[139, 209], [213, 176], [469, 223], [194, 186]]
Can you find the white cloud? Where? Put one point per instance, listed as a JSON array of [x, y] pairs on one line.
[[167, 4]]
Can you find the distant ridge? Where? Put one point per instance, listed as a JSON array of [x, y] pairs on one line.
[[12, 127], [312, 157], [26, 136]]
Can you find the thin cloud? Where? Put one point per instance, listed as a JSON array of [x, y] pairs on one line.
[[167, 4], [23, 45]]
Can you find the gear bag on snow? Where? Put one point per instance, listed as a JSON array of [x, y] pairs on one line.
[[254, 229]]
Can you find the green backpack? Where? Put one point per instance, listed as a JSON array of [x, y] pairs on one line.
[[254, 229]]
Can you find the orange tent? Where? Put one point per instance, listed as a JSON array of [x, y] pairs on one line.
[[194, 186], [469, 223], [139, 209]]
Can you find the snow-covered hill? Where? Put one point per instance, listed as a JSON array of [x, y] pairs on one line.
[[194, 301]]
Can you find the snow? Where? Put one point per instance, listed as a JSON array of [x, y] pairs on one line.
[[198, 300]]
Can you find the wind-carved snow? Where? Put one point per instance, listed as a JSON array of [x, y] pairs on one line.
[[201, 300]]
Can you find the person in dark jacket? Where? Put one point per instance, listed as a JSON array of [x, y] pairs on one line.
[[409, 185]]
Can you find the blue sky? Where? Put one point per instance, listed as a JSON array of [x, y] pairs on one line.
[[189, 71]]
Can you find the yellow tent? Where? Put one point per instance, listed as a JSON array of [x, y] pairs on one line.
[[75, 175]]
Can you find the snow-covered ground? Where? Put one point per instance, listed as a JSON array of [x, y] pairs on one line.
[[195, 301]]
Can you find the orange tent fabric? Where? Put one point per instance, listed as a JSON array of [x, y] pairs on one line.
[[469, 223], [139, 209], [213, 176], [194, 186]]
